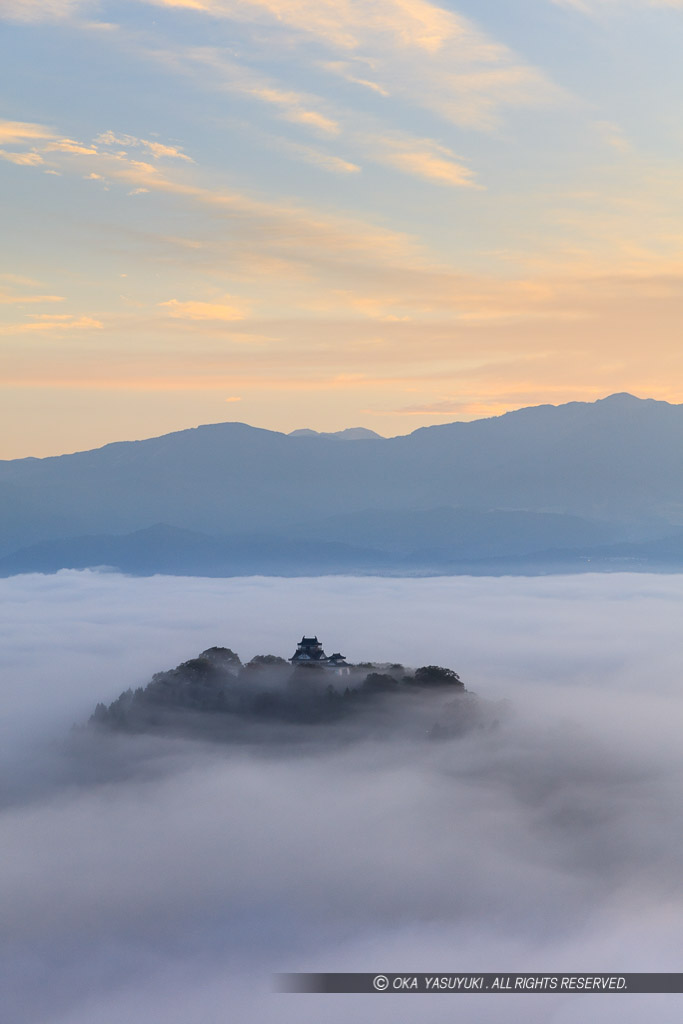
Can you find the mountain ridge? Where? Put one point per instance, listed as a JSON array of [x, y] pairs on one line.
[[309, 433], [376, 541], [618, 461]]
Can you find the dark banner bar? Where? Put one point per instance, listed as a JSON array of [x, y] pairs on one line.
[[470, 983]]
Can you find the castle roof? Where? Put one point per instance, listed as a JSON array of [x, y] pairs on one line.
[[309, 649], [309, 641]]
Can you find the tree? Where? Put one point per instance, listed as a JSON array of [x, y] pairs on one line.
[[435, 675], [379, 682]]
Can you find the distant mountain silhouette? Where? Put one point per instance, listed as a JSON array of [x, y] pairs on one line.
[[454, 533], [172, 551], [350, 434], [498, 550], [437, 494]]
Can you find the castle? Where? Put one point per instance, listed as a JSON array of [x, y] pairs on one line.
[[309, 652]]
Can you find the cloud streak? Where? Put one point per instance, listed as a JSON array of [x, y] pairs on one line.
[[422, 158], [427, 55], [43, 10], [19, 299], [296, 227], [20, 131], [425, 159], [154, 149], [197, 310], [589, 6], [46, 323]]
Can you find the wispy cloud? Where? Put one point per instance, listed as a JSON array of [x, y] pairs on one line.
[[414, 23], [196, 310], [19, 279], [11, 299], [106, 150], [588, 6], [347, 71], [43, 10], [293, 227], [417, 51], [281, 228], [319, 158], [26, 159], [460, 74], [345, 263], [305, 153], [45, 322], [293, 109], [614, 136], [423, 158], [21, 131], [154, 149], [225, 73]]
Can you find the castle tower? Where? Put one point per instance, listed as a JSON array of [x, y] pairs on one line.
[[309, 651]]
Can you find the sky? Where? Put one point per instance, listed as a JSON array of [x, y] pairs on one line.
[[330, 213], [164, 881]]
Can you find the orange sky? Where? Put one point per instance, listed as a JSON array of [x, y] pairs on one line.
[[318, 214]]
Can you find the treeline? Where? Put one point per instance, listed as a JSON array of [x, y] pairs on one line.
[[216, 686]]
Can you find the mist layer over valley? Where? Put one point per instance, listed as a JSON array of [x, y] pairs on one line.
[[162, 877]]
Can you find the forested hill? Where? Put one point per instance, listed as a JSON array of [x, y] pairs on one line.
[[215, 696]]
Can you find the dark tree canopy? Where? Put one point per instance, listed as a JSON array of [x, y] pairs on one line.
[[266, 659], [435, 675], [222, 657], [380, 682], [214, 692]]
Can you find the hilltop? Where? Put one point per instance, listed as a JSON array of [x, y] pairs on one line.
[[216, 696]]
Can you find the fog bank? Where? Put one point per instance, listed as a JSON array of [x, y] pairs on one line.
[[168, 882]]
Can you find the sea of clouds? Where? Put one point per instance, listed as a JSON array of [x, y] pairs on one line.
[[164, 881]]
